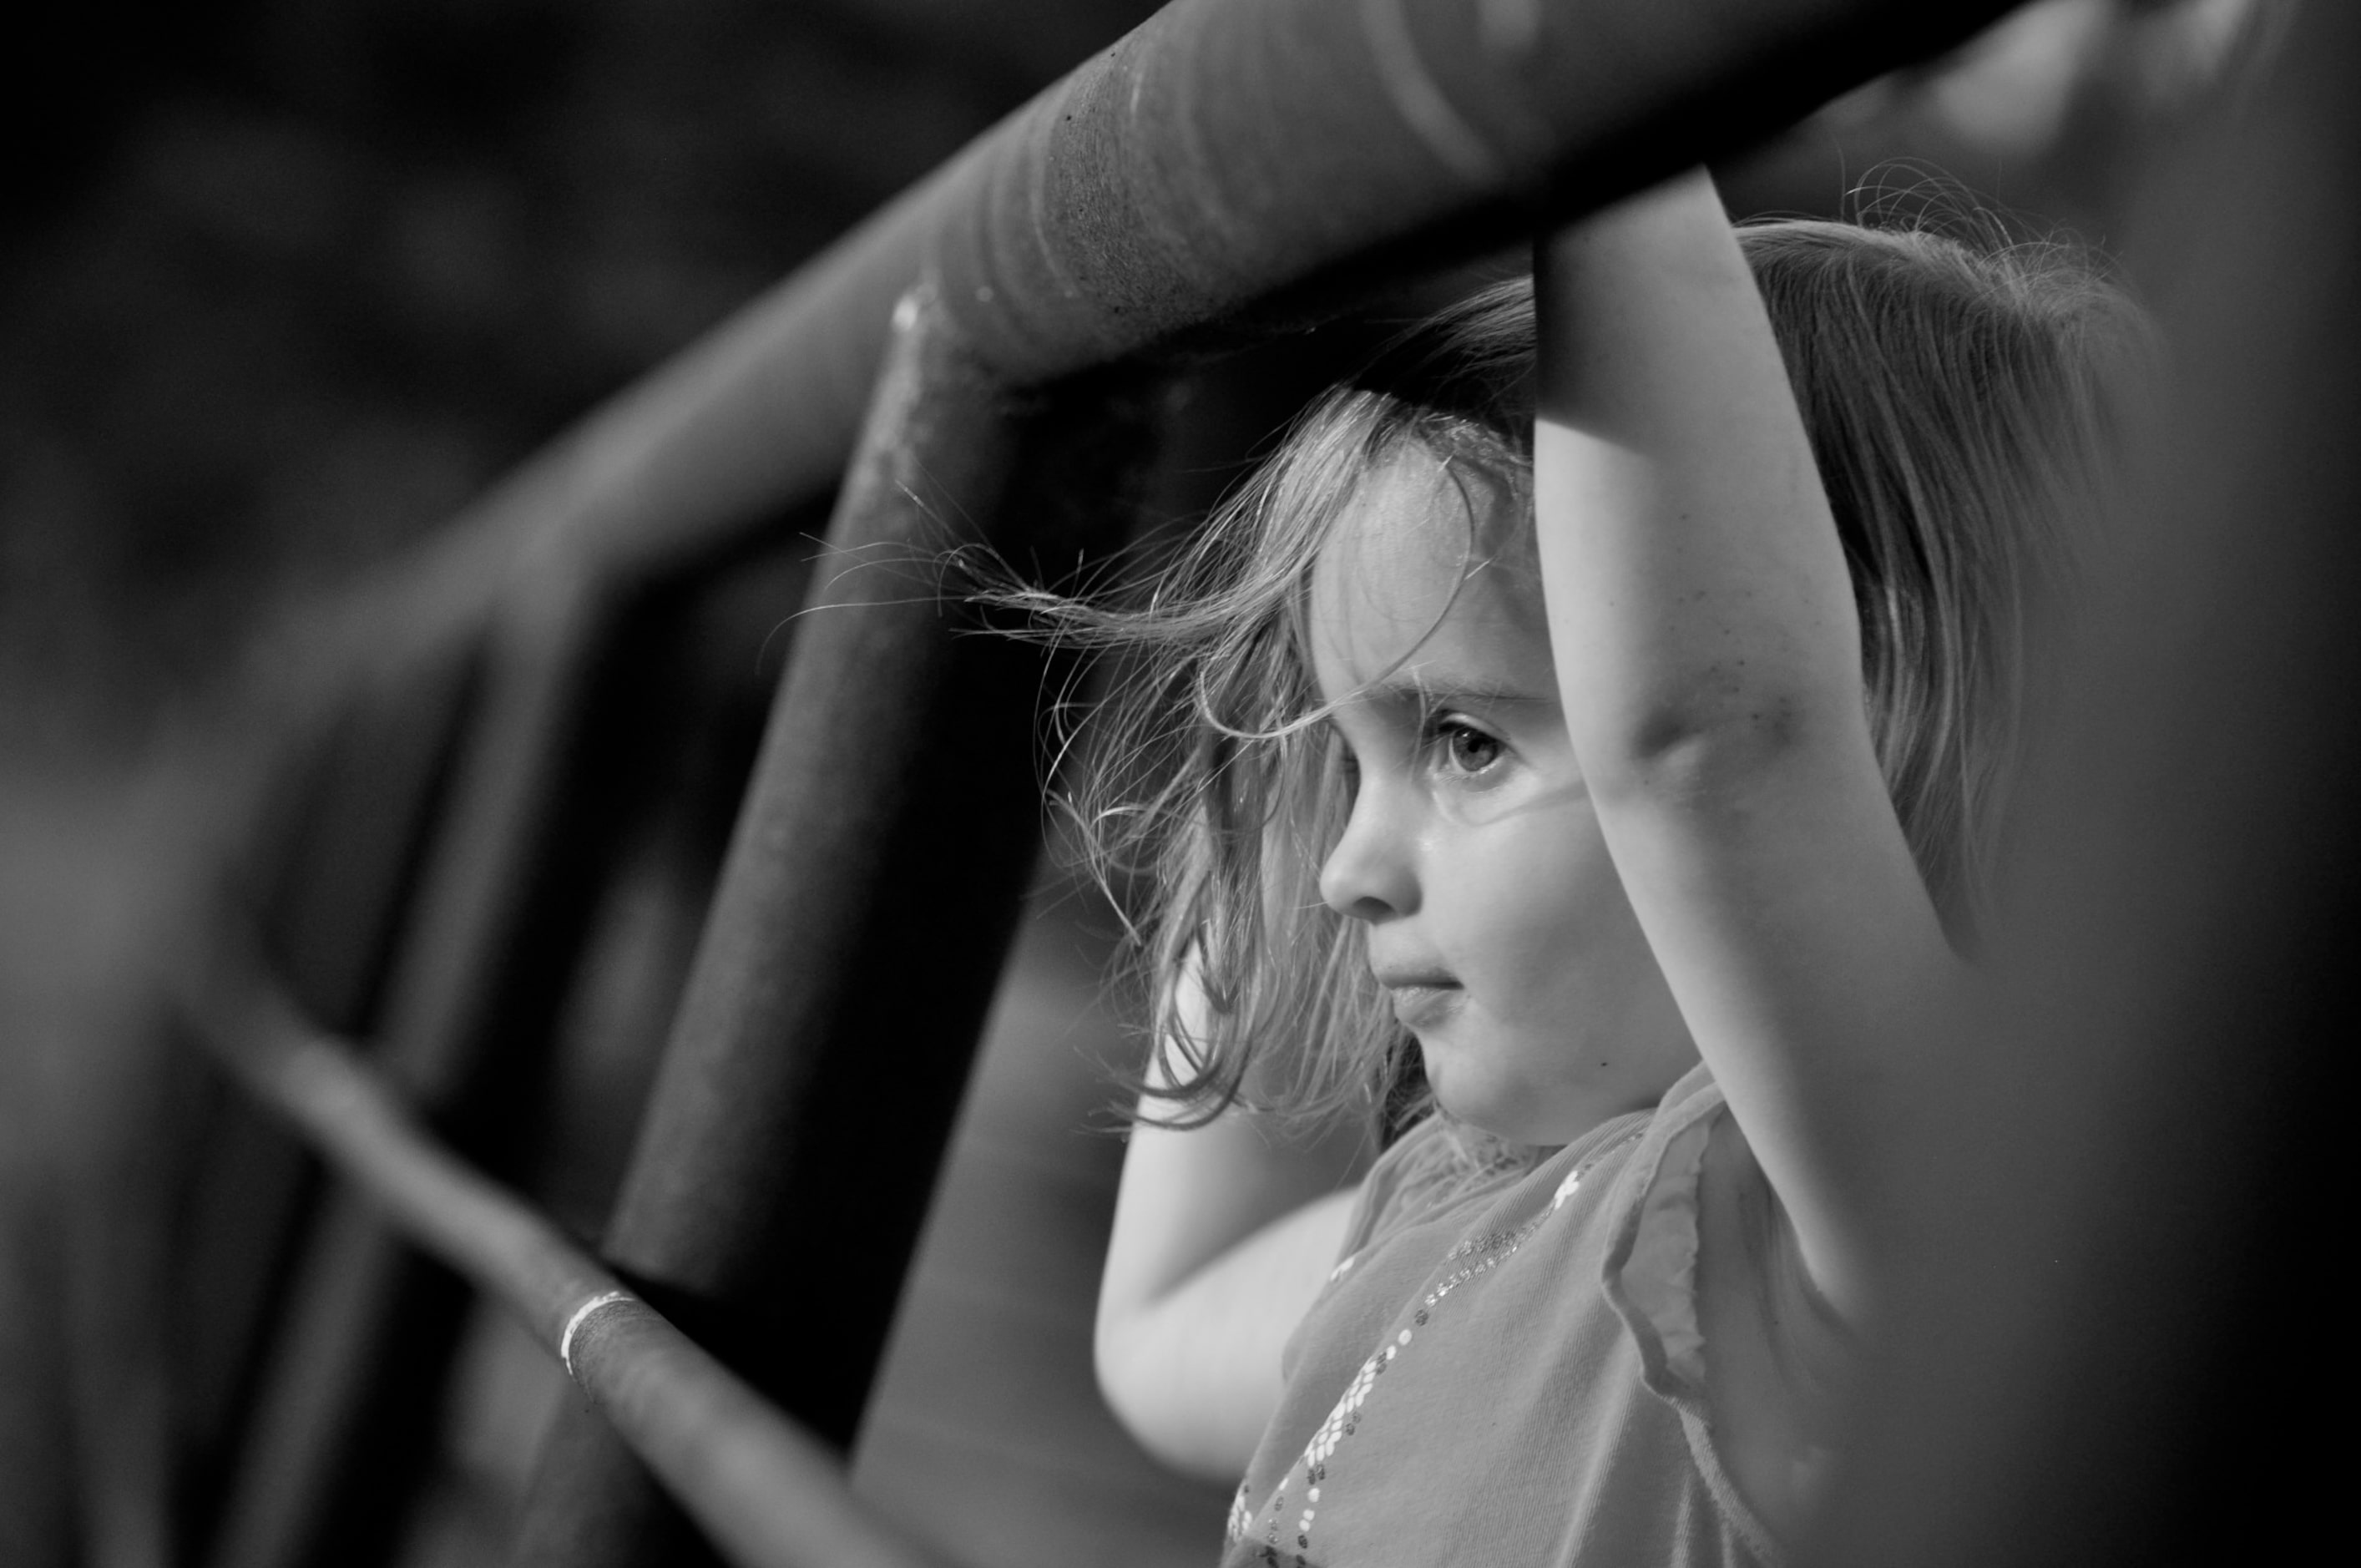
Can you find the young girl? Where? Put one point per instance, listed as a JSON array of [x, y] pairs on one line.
[[1548, 753]]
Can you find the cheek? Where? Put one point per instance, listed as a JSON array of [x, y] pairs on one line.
[[1544, 906]]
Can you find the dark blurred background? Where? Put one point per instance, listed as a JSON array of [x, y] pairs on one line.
[[283, 285]]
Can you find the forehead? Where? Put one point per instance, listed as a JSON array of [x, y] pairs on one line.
[[1426, 578]]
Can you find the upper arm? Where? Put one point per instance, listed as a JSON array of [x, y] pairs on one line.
[[1702, 619]]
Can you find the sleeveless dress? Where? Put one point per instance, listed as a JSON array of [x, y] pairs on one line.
[[1506, 1370]]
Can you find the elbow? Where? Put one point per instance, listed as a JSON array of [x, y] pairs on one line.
[[1122, 1359], [1175, 1411], [1692, 747], [1114, 1364]]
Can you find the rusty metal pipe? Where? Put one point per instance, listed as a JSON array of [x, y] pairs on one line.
[[1228, 159]]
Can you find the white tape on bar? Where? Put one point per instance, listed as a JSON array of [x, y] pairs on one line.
[[583, 1314]]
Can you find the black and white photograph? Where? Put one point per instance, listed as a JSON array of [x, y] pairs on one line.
[[1277, 784]]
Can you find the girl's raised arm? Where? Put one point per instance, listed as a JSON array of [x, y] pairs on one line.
[[1708, 656]]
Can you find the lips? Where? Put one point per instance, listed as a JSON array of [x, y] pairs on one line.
[[1423, 1000]]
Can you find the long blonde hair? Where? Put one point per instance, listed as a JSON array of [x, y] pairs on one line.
[[1956, 397]]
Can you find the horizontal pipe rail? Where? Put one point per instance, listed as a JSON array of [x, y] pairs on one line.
[[1228, 156], [767, 1494]]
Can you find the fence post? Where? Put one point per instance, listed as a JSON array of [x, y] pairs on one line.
[[786, 1156]]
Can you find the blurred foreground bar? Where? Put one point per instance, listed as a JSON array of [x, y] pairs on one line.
[[2115, 1353]]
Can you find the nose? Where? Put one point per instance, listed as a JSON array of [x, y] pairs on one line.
[[1370, 875]]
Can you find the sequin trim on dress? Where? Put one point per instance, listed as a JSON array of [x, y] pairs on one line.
[[1241, 1515], [1345, 1418]]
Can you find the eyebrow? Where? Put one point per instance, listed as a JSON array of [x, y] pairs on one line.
[[1443, 694]]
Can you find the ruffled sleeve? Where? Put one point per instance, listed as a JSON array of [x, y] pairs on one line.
[[1783, 1335], [1650, 1269]]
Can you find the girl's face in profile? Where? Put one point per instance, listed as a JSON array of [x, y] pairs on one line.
[[1495, 918]]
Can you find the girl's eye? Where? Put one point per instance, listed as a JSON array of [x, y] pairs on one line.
[[1467, 748]]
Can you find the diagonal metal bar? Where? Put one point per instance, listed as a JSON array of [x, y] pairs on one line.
[[770, 1495], [344, 1412], [332, 829]]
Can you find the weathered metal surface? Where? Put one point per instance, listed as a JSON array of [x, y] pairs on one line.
[[1228, 156]]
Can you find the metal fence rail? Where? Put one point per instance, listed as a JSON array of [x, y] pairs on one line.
[[1231, 165], [1229, 162], [770, 1494]]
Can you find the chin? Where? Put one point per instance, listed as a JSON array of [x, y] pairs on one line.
[[1505, 1111], [1516, 1109]]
